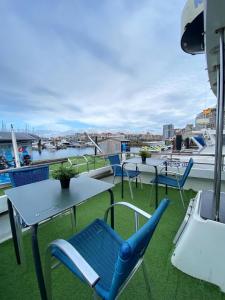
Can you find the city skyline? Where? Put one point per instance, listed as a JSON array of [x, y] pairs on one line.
[[101, 66], [207, 115]]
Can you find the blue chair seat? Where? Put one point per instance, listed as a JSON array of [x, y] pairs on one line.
[[101, 252], [130, 173], [117, 170], [112, 259], [161, 179], [174, 181]]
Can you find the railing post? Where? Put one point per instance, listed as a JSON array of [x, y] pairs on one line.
[[96, 142], [219, 126]]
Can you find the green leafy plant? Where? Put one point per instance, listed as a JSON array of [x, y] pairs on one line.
[[63, 173], [144, 153]]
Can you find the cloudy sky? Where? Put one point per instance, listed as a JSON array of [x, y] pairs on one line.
[[98, 64]]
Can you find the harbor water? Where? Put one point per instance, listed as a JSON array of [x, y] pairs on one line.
[[68, 152], [47, 154]]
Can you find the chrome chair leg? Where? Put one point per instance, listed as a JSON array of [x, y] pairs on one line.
[[140, 181], [131, 192], [183, 193], [181, 196], [147, 283], [151, 192], [48, 275]]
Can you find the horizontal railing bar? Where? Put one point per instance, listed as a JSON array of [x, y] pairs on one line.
[[37, 163], [65, 159], [184, 153], [51, 162]]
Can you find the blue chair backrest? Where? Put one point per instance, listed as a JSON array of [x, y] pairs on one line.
[[133, 249], [186, 173], [24, 176], [115, 160], [200, 140]]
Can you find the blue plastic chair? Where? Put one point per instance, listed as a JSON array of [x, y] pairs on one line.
[[177, 181], [24, 176], [29, 175], [100, 257], [117, 171]]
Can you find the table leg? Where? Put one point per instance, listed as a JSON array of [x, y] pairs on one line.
[[136, 176], [13, 229], [37, 262], [18, 221], [122, 187], [74, 218], [156, 187], [166, 175], [112, 209]]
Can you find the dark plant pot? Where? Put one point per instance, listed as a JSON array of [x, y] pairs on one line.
[[143, 160], [65, 183]]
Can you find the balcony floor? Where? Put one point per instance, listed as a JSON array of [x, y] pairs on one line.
[[19, 282]]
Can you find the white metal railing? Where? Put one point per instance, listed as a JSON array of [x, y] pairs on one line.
[[170, 156]]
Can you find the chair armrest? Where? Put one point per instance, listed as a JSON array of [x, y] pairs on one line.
[[86, 270], [130, 206], [129, 163], [178, 170], [136, 167], [126, 172], [171, 172], [164, 171], [116, 165], [161, 170]]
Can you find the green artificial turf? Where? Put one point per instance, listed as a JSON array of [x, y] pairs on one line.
[[19, 282], [80, 164]]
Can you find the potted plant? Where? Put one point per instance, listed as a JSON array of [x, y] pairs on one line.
[[144, 154], [64, 174]]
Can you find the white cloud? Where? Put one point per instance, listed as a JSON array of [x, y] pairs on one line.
[[112, 65]]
